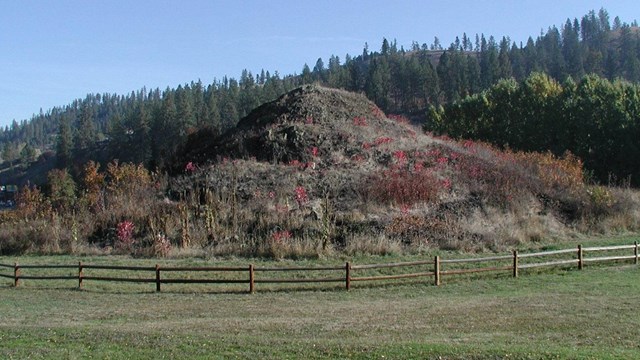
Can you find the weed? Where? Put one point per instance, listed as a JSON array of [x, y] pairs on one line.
[[125, 240]]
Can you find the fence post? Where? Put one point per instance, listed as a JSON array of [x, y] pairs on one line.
[[515, 263], [436, 266], [80, 275], [580, 257], [635, 252], [16, 274], [347, 278], [252, 283], [157, 278]]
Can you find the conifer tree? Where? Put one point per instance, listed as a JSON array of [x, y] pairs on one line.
[[86, 134], [64, 144]]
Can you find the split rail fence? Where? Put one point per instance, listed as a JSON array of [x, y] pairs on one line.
[[435, 268]]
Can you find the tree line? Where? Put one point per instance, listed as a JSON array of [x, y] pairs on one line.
[[596, 119]]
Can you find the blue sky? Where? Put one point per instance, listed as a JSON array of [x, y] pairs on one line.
[[52, 52]]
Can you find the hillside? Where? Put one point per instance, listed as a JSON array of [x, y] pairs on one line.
[[313, 172], [322, 169]]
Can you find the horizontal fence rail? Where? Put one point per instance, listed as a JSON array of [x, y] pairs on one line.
[[484, 259], [432, 268], [547, 253]]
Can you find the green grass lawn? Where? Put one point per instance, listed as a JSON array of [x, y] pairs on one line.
[[559, 313]]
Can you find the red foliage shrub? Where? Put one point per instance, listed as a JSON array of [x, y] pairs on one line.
[[314, 151], [124, 233], [383, 140], [360, 121], [400, 156], [190, 167], [401, 186], [281, 236], [301, 196]]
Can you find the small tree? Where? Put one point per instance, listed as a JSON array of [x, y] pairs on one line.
[[93, 183], [62, 190], [28, 153]]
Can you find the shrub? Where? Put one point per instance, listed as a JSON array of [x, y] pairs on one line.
[[161, 246], [124, 236], [499, 181], [401, 186], [31, 203], [93, 182], [30, 235], [62, 190], [301, 197], [128, 180]]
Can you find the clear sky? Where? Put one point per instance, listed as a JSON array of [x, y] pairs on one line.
[[52, 52]]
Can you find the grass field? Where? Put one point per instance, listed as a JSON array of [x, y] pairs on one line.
[[559, 313]]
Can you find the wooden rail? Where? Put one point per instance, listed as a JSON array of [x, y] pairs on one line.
[[416, 269]]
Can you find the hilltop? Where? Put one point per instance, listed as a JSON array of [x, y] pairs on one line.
[[310, 124]]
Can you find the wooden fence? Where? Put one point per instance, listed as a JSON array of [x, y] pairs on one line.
[[346, 274]]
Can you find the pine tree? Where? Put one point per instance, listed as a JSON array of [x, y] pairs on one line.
[[212, 110], [436, 46], [306, 74], [504, 62], [141, 137], [64, 144], [318, 70], [184, 111], [571, 50], [384, 49], [199, 111], [86, 134], [489, 64], [379, 82]]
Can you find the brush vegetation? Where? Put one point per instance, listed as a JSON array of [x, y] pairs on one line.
[[314, 173]]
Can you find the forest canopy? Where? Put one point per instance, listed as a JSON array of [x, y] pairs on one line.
[[596, 119]]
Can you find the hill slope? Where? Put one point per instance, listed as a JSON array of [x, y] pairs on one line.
[[327, 168], [314, 172]]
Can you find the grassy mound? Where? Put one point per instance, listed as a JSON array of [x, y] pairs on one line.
[[322, 169]]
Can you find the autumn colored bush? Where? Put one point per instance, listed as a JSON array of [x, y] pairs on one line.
[[125, 240], [127, 179], [92, 187], [564, 173], [400, 185], [31, 203]]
